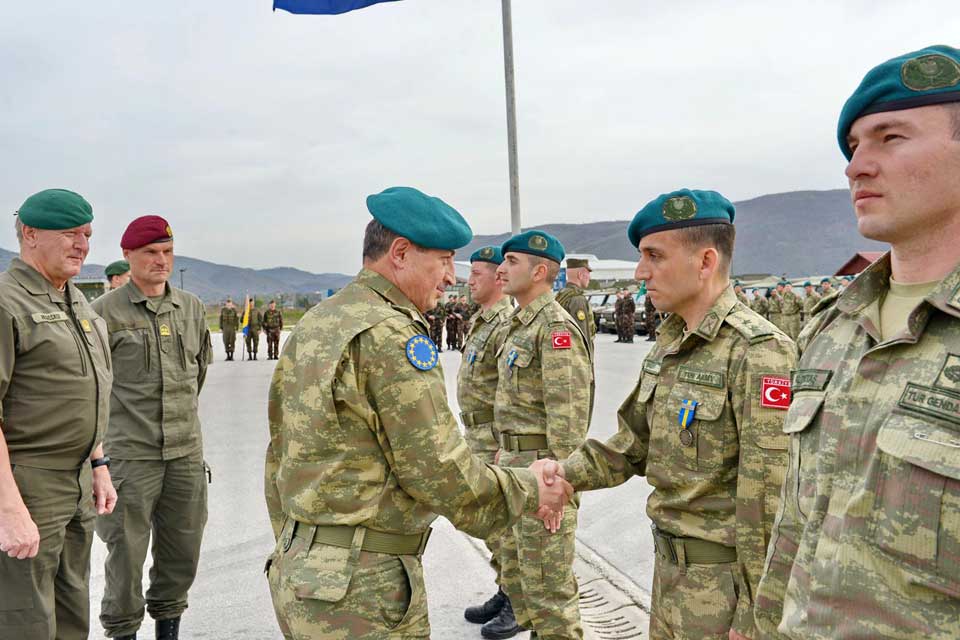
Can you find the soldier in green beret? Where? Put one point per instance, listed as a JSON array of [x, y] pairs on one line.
[[161, 348], [741, 296], [542, 410], [759, 303], [826, 287], [573, 301], [118, 273], [477, 387], [704, 423], [351, 507], [55, 382], [435, 318], [867, 541], [272, 326], [809, 301], [790, 308], [774, 305], [229, 323]]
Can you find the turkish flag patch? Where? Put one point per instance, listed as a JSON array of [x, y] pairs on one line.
[[562, 340], [775, 392]]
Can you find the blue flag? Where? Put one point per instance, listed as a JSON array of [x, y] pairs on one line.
[[325, 7]]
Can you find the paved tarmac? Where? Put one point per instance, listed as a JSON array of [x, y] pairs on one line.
[[230, 599]]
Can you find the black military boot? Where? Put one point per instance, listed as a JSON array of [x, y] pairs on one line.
[[168, 629], [504, 625], [486, 611], [130, 637]]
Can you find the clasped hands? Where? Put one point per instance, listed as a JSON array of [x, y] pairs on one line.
[[555, 492]]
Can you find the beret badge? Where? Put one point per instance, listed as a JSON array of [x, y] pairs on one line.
[[928, 72], [486, 252], [679, 208], [537, 242]]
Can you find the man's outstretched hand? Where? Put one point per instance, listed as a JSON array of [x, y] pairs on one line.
[[555, 492]]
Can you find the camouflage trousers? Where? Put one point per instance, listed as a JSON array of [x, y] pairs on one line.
[[436, 334], [48, 596], [537, 574], [322, 592], [695, 602], [273, 342], [626, 327]]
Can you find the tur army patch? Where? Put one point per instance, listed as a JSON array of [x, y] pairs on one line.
[[561, 340], [701, 376], [775, 392], [422, 353]]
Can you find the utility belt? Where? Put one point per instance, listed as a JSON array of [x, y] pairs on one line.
[[474, 418], [525, 442], [396, 544], [683, 551]]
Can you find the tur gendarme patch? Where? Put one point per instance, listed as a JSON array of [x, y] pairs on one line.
[[930, 72], [679, 208]]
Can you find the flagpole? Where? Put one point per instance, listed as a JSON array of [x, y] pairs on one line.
[[511, 117]]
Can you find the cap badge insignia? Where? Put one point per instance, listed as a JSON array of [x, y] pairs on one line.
[[928, 72], [679, 208], [169, 231], [537, 242], [486, 252]]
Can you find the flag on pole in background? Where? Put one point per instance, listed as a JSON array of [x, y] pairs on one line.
[[244, 324], [325, 7]]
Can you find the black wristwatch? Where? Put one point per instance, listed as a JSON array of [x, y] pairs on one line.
[[100, 462]]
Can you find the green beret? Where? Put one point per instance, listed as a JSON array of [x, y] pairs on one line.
[[917, 79], [678, 209], [117, 268], [825, 280], [536, 243], [487, 254], [426, 221], [578, 263], [737, 283], [808, 284], [55, 209]]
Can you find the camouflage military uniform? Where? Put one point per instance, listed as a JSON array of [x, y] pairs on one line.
[[253, 333], [453, 324], [476, 389], [809, 303], [790, 307], [272, 326], [760, 306], [742, 297], [626, 326], [649, 318], [229, 323], [867, 540], [617, 311], [435, 318], [717, 481], [573, 301], [774, 313], [542, 409], [351, 507]]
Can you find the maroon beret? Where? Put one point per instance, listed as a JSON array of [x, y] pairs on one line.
[[145, 230]]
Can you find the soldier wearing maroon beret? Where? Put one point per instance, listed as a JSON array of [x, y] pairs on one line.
[[161, 348]]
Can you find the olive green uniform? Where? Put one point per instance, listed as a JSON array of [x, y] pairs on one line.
[[351, 506], [542, 410], [453, 324], [649, 317], [716, 480], [272, 326], [229, 323], [809, 303], [476, 389], [161, 349], [774, 312], [760, 306], [573, 301], [55, 391], [867, 541], [790, 308], [435, 317], [254, 321]]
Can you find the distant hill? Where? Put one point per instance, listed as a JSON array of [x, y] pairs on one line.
[[796, 233], [213, 282]]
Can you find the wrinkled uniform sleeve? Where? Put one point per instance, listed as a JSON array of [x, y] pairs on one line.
[[430, 457], [598, 465], [762, 466], [567, 376], [205, 357], [8, 342]]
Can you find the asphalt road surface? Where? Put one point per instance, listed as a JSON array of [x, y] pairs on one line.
[[230, 598]]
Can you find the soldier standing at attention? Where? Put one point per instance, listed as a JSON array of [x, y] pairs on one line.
[[161, 348], [463, 309], [704, 424], [628, 317], [477, 387], [54, 402], [118, 273], [435, 318], [450, 311], [650, 318], [229, 323], [759, 303], [254, 322], [573, 301], [351, 507], [790, 308], [826, 287], [741, 296], [272, 326], [866, 545], [810, 301], [774, 305], [542, 410], [617, 312]]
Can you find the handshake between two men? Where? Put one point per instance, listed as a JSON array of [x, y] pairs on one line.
[[555, 492]]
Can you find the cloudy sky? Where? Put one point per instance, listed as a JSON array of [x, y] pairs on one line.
[[259, 134]]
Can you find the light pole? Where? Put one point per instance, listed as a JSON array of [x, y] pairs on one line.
[[181, 276], [508, 76]]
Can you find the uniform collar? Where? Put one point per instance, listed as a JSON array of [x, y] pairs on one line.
[[529, 312], [170, 297], [570, 285], [389, 291], [672, 328], [874, 281], [501, 305], [34, 282]]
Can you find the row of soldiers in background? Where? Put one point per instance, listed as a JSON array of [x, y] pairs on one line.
[[455, 314], [624, 316], [271, 321], [783, 307]]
